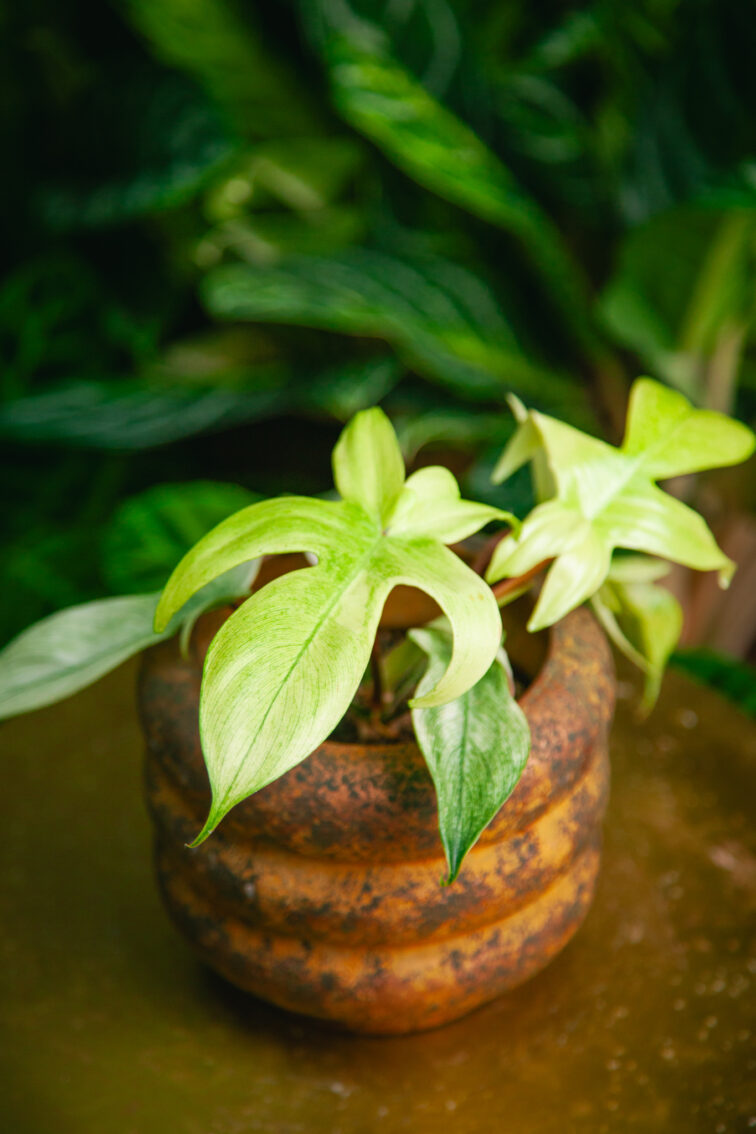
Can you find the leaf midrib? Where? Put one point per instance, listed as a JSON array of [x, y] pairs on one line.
[[339, 594], [454, 860]]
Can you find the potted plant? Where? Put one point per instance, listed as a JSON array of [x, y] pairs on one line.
[[339, 745]]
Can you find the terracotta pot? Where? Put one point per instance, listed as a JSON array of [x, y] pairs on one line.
[[321, 892]]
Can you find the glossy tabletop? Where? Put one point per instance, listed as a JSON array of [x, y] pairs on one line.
[[647, 1022]]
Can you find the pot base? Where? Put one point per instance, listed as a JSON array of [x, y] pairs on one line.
[[385, 991]]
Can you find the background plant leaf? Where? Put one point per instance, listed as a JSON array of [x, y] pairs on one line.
[[149, 533], [384, 102], [214, 42], [733, 679], [439, 318], [682, 283], [166, 143], [129, 414]]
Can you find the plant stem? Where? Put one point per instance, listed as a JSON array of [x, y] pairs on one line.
[[506, 587], [375, 670], [483, 558]]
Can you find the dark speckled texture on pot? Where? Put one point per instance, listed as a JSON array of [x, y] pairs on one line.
[[321, 893]]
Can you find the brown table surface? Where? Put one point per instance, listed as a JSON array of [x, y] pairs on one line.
[[646, 1022]]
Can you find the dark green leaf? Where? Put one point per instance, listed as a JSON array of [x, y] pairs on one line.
[[129, 414], [382, 100], [218, 43], [150, 533], [343, 390], [440, 318], [475, 747], [174, 146]]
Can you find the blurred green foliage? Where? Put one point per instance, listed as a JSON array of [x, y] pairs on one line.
[[733, 679], [229, 226]]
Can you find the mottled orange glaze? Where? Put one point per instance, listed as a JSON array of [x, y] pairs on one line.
[[321, 892]]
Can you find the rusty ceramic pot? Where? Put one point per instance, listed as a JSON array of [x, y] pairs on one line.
[[321, 892]]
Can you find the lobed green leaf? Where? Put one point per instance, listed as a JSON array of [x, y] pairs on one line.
[[430, 505], [284, 668], [606, 498]]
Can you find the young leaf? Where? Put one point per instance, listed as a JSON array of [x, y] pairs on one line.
[[284, 668], [637, 569], [368, 467], [524, 445], [430, 505], [463, 597], [668, 437], [605, 498], [649, 620], [71, 649], [475, 747]]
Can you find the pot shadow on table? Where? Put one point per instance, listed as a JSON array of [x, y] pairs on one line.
[[643, 1023]]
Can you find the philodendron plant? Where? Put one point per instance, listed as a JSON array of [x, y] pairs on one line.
[[303, 652]]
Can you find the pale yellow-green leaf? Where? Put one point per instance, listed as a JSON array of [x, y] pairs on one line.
[[637, 569], [574, 577], [465, 600], [368, 467], [644, 621], [670, 437], [430, 505], [284, 668], [606, 498]]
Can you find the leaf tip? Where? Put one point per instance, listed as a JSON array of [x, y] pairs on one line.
[[455, 852], [162, 616], [429, 700], [211, 823], [452, 876]]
